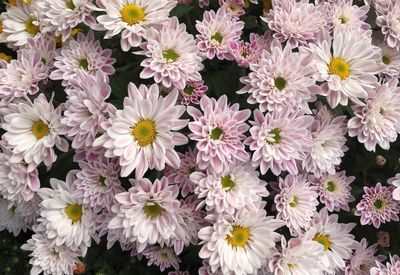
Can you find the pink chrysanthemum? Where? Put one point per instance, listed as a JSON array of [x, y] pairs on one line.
[[147, 212], [377, 121], [217, 31], [170, 63], [296, 203], [85, 55], [282, 79], [334, 190], [193, 92], [279, 139], [387, 19], [363, 259], [163, 257], [377, 206], [298, 23], [234, 8], [391, 268], [143, 135], [46, 46], [219, 132], [390, 61], [396, 182]]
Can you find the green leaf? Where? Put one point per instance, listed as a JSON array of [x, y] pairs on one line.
[[180, 10]]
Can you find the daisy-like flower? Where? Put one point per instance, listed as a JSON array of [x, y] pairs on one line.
[[22, 75], [237, 187], [61, 16], [334, 190], [219, 132], [390, 60], [328, 134], [239, 244], [387, 19], [163, 257], [217, 31], [97, 182], [234, 8], [298, 23], [192, 92], [21, 22], [377, 121], [172, 55], [280, 80], [349, 70], [86, 109], [132, 18], [377, 206], [298, 257], [335, 238], [32, 132], [143, 135], [396, 182], [296, 203], [67, 221], [46, 46], [147, 212], [363, 259], [49, 258], [85, 55], [391, 268], [279, 139]]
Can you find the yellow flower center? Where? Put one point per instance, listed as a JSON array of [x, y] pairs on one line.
[[217, 37], [339, 67], [216, 133], [276, 132], [1, 26], [294, 202], [144, 132], [331, 186], [227, 183], [6, 58], [132, 14], [70, 4], [324, 240], [74, 212], [170, 55], [40, 129], [31, 28], [280, 83], [290, 266], [343, 19], [12, 2], [84, 64], [153, 210], [239, 236]]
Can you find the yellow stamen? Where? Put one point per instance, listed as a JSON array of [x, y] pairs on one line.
[[144, 132], [6, 58], [40, 129], [132, 14], [239, 236], [31, 28], [153, 210], [74, 212], [339, 67], [324, 240]]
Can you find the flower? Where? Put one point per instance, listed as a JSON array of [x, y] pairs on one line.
[[234, 8], [66, 220], [391, 268], [298, 23], [377, 121], [363, 259], [377, 206], [335, 238], [396, 182], [334, 190], [163, 257], [390, 61], [132, 18], [143, 135], [279, 139], [84, 55], [387, 20], [217, 31], [170, 63], [349, 70], [192, 92], [280, 80], [46, 46], [219, 132], [236, 188], [241, 243], [147, 212], [32, 132]]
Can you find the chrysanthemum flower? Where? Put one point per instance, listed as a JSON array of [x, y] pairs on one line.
[[298, 23], [85, 55], [32, 132], [280, 80], [335, 238], [334, 190], [377, 121], [163, 257], [396, 182], [239, 244], [234, 8], [390, 61], [46, 46], [64, 216], [217, 31], [377, 206], [391, 268], [349, 70], [192, 92], [236, 188], [147, 212], [296, 202], [279, 139], [387, 19], [143, 135], [132, 18], [219, 132]]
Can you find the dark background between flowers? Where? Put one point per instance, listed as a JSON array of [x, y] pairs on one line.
[[221, 77]]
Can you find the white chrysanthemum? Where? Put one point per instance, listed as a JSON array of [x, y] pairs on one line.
[[390, 60], [32, 132], [132, 18], [396, 182], [143, 135], [363, 259], [349, 70], [66, 219], [163, 257], [334, 237], [236, 188], [388, 12], [241, 243]]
